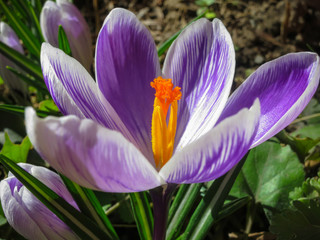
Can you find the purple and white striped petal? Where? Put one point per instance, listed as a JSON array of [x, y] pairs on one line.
[[284, 87], [90, 154], [74, 90], [20, 206], [77, 30], [216, 152], [201, 61], [126, 63], [10, 38]]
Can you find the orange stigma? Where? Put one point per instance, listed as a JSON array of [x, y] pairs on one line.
[[163, 133]]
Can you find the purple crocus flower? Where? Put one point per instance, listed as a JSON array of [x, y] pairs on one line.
[[26, 214], [121, 136], [77, 30], [10, 38]]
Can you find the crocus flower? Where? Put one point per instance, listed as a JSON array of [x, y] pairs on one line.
[[77, 30], [133, 130], [15, 84], [26, 214]]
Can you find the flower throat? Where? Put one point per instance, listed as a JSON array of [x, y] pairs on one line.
[[163, 133]]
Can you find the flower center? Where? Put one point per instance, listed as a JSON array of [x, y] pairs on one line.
[[163, 133]]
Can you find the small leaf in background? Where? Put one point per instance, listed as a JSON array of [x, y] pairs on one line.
[[300, 224], [309, 120], [16, 152], [269, 174], [48, 106], [310, 190], [301, 146]]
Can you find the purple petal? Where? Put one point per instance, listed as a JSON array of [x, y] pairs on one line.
[[216, 152], [9, 37], [75, 92], [201, 61], [21, 207], [126, 63], [91, 155], [284, 87], [77, 30]]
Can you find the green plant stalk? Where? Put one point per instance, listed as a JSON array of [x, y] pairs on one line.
[[142, 214], [185, 206], [209, 207], [90, 206]]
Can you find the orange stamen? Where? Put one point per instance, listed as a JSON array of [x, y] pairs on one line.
[[163, 134]]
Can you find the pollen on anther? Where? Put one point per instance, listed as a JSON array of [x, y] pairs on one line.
[[165, 90]]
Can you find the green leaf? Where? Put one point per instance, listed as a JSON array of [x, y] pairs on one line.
[[35, 20], [301, 146], [168, 43], [300, 224], [311, 131], [19, 110], [63, 41], [208, 209], [142, 214], [269, 174], [310, 190], [181, 207], [16, 152], [90, 206], [39, 85], [22, 61], [78, 222], [232, 206], [29, 40], [48, 106]]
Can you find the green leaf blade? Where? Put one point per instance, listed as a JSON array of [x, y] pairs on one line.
[[78, 222], [142, 214]]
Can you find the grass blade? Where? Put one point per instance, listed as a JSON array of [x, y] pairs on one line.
[[78, 222], [142, 214], [210, 206], [29, 40], [184, 205], [22, 61], [90, 206]]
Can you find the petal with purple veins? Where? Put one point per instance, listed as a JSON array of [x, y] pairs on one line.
[[90, 154], [201, 61], [216, 152], [284, 87], [126, 63]]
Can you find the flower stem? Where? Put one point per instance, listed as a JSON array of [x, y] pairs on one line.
[[161, 198]]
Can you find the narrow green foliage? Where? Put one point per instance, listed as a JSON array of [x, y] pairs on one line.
[[22, 61], [90, 206], [63, 41], [28, 38], [182, 206], [39, 85], [208, 210], [142, 214], [78, 222], [19, 110]]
